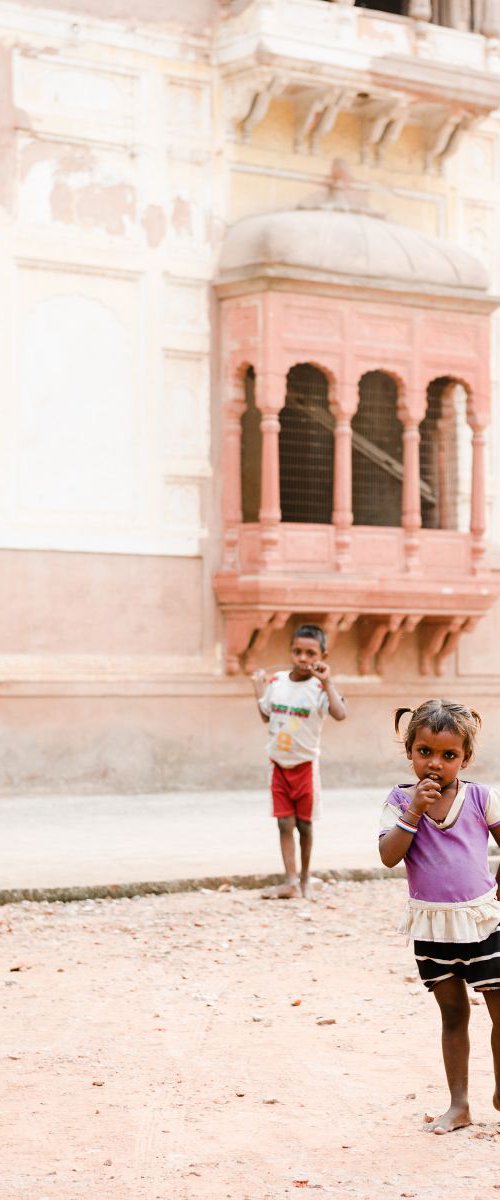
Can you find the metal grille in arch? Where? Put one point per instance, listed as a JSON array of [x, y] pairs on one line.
[[306, 448]]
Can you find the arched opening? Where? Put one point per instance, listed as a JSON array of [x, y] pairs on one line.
[[306, 448], [377, 457], [446, 457], [251, 452]]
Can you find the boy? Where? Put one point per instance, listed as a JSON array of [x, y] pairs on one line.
[[295, 704]]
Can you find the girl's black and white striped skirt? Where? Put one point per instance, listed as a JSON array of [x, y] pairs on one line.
[[478, 963]]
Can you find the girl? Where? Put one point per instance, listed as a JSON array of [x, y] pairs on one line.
[[440, 828]]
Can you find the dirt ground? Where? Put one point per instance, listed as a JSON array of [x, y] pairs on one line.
[[169, 1048]]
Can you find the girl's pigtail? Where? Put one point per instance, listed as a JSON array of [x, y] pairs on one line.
[[477, 718], [400, 712]]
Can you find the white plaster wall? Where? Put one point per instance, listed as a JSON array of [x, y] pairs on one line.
[[107, 242], [78, 420], [473, 219]]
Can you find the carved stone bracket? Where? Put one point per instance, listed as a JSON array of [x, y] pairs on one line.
[[239, 630], [336, 623], [438, 639], [316, 111], [259, 640], [379, 638], [444, 137], [382, 123], [255, 104], [248, 635]]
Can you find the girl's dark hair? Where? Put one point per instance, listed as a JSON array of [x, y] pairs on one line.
[[311, 631], [440, 715]]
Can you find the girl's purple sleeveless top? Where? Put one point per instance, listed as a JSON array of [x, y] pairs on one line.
[[449, 865]]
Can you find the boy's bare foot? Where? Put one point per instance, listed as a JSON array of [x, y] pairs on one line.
[[307, 889], [456, 1118], [283, 891]]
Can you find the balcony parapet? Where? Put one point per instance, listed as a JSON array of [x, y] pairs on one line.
[[376, 599], [331, 58]]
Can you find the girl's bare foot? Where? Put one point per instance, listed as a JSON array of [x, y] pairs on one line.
[[289, 890], [456, 1118]]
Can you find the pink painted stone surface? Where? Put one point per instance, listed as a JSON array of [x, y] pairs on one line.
[[395, 578]]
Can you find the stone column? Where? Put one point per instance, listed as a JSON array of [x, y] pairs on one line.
[[411, 518], [342, 490], [420, 10], [478, 495], [233, 410], [489, 18], [457, 14], [270, 393]]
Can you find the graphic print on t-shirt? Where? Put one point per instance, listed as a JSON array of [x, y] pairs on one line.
[[296, 711]]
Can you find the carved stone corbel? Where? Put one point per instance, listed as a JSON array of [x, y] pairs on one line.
[[458, 626], [259, 642], [341, 102], [398, 625], [444, 138], [335, 623], [316, 111], [382, 122], [259, 106], [438, 639], [372, 634], [239, 629]]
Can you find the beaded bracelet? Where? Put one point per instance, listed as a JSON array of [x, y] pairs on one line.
[[406, 826]]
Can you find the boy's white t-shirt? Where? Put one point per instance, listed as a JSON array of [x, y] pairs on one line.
[[296, 713]]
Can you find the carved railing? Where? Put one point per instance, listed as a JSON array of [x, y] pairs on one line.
[[478, 16]]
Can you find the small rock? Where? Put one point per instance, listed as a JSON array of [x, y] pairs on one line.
[[326, 1021]]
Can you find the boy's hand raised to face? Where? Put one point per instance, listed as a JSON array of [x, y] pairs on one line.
[[322, 672]]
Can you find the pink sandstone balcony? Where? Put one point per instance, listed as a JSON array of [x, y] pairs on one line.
[[355, 399]]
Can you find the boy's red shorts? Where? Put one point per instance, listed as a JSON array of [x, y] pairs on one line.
[[294, 790]]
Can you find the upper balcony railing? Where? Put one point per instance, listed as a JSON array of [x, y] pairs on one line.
[[435, 64]]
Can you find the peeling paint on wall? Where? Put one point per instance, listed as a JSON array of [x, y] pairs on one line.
[[155, 225], [181, 216], [94, 205], [75, 189]]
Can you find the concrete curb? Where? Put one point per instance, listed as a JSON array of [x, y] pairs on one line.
[[119, 891]]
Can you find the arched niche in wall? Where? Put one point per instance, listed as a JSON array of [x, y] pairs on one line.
[[446, 456], [377, 458]]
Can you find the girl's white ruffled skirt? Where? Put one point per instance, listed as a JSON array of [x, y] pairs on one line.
[[467, 921]]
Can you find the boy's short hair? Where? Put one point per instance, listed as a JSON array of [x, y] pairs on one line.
[[311, 631]]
